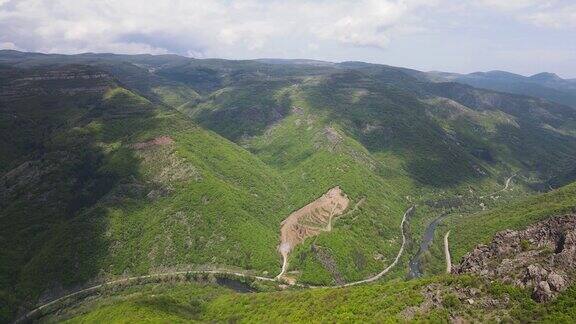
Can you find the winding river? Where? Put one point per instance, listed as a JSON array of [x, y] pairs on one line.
[[415, 264]]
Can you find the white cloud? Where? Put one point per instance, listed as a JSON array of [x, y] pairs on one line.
[[9, 46], [371, 24], [559, 18], [452, 34], [557, 14], [203, 27], [508, 5]]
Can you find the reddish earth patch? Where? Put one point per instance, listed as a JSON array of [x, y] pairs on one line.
[[158, 141]]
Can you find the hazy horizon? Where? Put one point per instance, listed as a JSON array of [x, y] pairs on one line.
[[293, 59], [519, 36]]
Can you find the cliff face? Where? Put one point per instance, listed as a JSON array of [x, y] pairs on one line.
[[25, 84], [542, 257]]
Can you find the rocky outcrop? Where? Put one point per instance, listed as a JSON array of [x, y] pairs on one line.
[[158, 141], [63, 80], [323, 255], [541, 257]]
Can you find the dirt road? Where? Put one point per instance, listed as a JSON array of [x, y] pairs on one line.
[[383, 272], [447, 254], [33, 313], [506, 185]]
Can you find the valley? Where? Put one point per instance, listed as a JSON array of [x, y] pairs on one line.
[[333, 198], [122, 174], [415, 263]]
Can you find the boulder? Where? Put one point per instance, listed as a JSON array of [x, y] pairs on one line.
[[542, 292], [535, 273], [556, 281]]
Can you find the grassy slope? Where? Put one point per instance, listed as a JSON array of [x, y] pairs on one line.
[[224, 212], [299, 148], [386, 302], [469, 230], [383, 134], [311, 305], [217, 204], [191, 302]]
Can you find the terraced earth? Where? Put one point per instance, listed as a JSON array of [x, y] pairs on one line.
[[309, 221]]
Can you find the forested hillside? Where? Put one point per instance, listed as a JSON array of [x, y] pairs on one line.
[[117, 166]]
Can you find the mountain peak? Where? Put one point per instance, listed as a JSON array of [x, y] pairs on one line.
[[546, 76], [496, 74]]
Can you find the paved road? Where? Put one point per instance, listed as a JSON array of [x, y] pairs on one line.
[[383, 272], [31, 314]]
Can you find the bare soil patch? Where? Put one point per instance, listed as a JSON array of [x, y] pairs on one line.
[[310, 220], [158, 141]]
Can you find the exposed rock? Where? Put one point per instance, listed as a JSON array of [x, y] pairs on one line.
[[69, 80], [542, 256], [535, 274], [325, 258], [158, 141], [297, 110], [332, 135], [556, 282], [542, 292], [65, 75]]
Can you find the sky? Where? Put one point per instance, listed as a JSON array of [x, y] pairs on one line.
[[521, 36]]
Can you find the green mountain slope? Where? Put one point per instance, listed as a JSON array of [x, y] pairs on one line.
[[117, 165], [543, 85], [469, 230], [129, 187], [436, 299]]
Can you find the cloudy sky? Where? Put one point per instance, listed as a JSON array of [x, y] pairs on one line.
[[523, 36]]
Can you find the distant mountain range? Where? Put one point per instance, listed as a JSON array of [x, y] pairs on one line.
[[545, 85]]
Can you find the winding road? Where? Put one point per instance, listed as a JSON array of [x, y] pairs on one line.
[[383, 272], [37, 311], [31, 314], [506, 185]]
